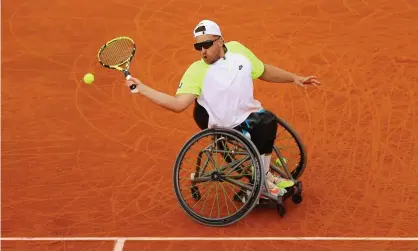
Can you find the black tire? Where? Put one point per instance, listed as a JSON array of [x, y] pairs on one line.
[[297, 170], [281, 210], [297, 198], [257, 184]]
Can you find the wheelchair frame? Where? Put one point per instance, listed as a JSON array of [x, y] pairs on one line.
[[258, 180]]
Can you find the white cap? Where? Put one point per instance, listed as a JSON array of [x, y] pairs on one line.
[[207, 27]]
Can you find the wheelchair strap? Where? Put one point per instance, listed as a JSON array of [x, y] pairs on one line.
[[261, 111], [248, 123]]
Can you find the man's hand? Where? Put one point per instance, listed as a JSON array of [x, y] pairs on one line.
[[304, 81], [133, 81]]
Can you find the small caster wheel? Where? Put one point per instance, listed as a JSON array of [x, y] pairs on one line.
[[195, 193], [297, 198], [299, 186], [281, 210], [280, 207]]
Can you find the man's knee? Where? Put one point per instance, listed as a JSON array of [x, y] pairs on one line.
[[264, 132]]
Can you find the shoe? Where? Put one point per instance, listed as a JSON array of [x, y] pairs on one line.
[[274, 190], [279, 181]]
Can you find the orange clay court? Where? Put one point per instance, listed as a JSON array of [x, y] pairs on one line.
[[95, 161]]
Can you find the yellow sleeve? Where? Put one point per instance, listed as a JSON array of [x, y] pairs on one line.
[[192, 80]]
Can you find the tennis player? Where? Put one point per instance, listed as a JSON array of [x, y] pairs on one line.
[[220, 85]]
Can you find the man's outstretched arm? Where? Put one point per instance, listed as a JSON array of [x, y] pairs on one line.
[[176, 103], [274, 74]]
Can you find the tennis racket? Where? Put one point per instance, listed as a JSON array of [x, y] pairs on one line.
[[116, 53]]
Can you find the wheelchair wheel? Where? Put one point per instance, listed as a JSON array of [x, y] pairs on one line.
[[207, 189], [291, 148]]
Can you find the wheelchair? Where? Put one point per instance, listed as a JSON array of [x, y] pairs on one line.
[[219, 179]]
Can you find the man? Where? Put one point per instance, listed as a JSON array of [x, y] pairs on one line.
[[221, 86]]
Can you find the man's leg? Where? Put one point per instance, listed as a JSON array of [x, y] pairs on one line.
[[263, 135]]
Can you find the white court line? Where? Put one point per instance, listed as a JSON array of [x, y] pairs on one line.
[[123, 239]]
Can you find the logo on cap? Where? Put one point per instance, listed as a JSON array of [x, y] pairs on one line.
[[200, 29]]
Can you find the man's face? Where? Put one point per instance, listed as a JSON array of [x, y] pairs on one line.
[[210, 47]]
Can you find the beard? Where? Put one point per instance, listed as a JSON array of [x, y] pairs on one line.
[[210, 59]]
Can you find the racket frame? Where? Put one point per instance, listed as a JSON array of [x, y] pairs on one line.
[[127, 62]]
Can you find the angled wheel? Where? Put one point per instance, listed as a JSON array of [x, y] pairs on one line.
[[217, 182], [297, 198], [290, 147]]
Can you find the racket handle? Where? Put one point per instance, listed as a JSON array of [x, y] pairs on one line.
[[127, 74], [132, 87], [128, 77]]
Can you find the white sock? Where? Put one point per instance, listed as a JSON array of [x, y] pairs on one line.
[[266, 163]]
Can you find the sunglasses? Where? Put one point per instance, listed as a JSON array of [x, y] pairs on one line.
[[205, 44]]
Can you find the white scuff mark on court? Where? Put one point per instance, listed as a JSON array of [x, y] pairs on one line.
[[119, 244]]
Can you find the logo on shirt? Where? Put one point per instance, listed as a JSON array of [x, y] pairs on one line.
[[240, 67], [181, 83]]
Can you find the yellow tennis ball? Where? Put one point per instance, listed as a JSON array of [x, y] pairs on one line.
[[88, 78], [279, 163]]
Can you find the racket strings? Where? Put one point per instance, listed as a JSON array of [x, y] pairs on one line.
[[117, 52]]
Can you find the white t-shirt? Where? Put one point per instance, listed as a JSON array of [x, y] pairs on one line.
[[225, 88]]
